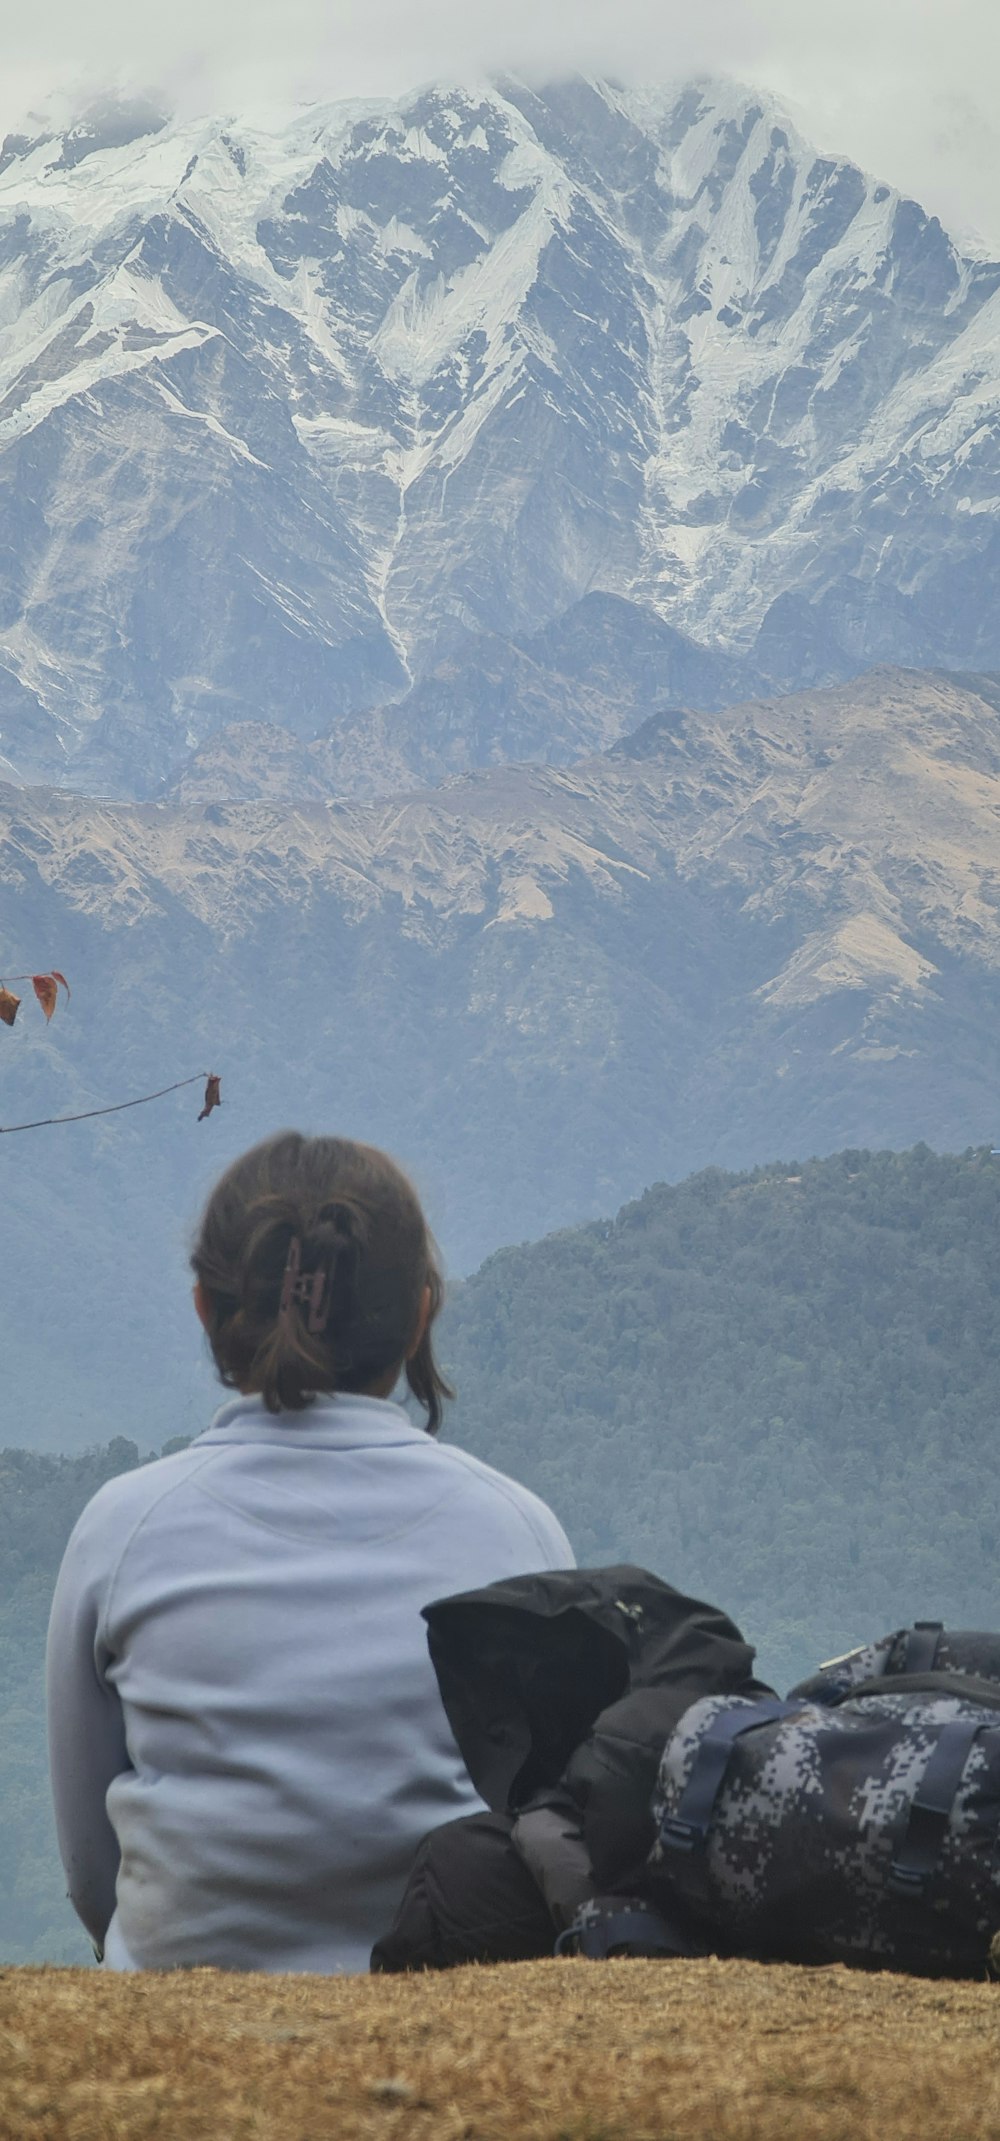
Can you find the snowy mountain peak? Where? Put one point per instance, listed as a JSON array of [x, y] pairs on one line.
[[300, 412], [108, 122]]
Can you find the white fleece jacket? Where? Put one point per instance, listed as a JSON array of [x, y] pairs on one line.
[[246, 1737]]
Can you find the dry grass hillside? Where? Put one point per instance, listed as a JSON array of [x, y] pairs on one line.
[[551, 2051]]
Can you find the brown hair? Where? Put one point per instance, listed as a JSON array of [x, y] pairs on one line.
[[357, 1221]]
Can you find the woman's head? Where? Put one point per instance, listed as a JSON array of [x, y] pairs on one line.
[[316, 1272]]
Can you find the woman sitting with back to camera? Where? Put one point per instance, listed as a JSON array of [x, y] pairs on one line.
[[246, 1736]]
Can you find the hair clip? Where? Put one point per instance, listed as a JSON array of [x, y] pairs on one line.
[[303, 1287]]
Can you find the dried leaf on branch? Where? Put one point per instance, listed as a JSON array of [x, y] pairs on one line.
[[117, 1107], [46, 988], [213, 1097], [47, 992]]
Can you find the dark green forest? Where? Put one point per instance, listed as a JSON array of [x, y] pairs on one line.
[[40, 1500], [776, 1389]]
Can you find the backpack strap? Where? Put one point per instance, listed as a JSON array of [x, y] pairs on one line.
[[621, 1925], [966, 1685], [921, 1644], [930, 1808], [689, 1826]]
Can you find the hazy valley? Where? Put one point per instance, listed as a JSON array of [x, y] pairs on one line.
[[771, 929]]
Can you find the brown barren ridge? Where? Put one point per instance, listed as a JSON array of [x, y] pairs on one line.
[[552, 2051]]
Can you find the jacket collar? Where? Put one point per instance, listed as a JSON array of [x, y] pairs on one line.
[[342, 1422]]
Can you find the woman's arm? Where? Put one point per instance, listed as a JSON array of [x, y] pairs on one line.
[[86, 1732]]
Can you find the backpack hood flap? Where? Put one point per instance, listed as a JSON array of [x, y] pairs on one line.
[[521, 1683], [534, 1668]]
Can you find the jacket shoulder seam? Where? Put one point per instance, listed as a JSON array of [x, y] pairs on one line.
[[503, 1488], [163, 1496]]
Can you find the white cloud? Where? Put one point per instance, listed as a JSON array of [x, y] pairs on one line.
[[908, 87]]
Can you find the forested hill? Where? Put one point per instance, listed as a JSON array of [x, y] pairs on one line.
[[777, 1389], [40, 1500]]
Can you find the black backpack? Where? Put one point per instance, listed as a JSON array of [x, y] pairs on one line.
[[857, 1821]]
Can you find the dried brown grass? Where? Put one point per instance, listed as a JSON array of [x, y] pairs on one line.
[[549, 2051]]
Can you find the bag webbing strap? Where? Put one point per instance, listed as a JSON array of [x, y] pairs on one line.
[[968, 1686], [920, 1646], [635, 1927], [930, 1809], [689, 1826]]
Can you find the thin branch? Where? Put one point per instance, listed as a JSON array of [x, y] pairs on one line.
[[44, 1121]]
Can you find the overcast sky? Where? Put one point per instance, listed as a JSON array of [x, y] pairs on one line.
[[910, 88]]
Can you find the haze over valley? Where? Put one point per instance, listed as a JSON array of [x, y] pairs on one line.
[[773, 929]]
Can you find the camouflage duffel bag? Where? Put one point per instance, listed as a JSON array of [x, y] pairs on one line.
[[855, 1822]]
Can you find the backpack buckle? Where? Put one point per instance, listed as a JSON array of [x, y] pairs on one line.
[[620, 1925], [680, 1835], [906, 1880]]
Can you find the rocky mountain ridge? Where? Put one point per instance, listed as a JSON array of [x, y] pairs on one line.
[[871, 809], [771, 929], [309, 422]]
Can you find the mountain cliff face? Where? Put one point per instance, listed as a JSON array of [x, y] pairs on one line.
[[771, 929], [352, 427]]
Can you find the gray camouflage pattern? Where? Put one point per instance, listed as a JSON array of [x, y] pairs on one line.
[[961, 1650], [869, 1662], [810, 1813]]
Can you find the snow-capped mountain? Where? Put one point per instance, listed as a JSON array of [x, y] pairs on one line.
[[313, 423]]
